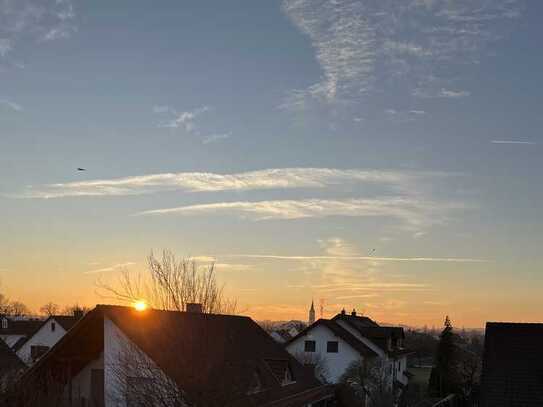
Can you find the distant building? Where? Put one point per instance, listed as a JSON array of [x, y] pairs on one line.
[[335, 344], [512, 365], [117, 356], [311, 318], [49, 333], [14, 331]]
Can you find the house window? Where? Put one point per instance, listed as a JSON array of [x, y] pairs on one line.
[[37, 351], [310, 346], [53, 326], [4, 323], [332, 346]]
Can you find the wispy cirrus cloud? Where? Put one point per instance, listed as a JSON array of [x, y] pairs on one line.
[[275, 178], [414, 214], [114, 267], [361, 44], [214, 138], [529, 143], [357, 258], [185, 120], [35, 21], [11, 105]]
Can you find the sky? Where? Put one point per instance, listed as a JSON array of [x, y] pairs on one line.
[[382, 155]]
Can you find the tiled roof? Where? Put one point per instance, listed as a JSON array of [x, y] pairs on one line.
[[512, 365], [66, 321], [212, 357]]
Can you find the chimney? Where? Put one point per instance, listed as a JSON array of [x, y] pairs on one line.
[[343, 312], [353, 313], [194, 308]]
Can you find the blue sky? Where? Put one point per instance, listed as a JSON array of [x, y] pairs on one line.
[[383, 155]]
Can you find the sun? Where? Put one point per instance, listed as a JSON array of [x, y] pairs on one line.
[[140, 306]]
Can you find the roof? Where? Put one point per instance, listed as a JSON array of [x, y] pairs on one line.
[[512, 365], [356, 320], [340, 332], [65, 321], [213, 358], [8, 359], [24, 327]]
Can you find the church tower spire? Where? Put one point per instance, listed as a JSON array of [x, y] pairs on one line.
[[311, 314]]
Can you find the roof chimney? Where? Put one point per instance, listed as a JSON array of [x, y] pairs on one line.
[[353, 313], [343, 312], [194, 308]]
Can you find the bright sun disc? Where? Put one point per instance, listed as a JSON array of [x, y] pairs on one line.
[[140, 306]]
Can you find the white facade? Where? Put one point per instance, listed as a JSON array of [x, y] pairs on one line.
[[334, 364], [330, 365], [48, 335]]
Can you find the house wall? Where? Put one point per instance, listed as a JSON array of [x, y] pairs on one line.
[[334, 364], [45, 336], [81, 383], [117, 348]]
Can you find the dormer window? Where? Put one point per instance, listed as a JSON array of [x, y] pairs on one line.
[[53, 326], [4, 323]]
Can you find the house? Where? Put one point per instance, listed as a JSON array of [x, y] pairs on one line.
[[333, 345], [512, 365], [44, 337], [15, 330], [117, 356]]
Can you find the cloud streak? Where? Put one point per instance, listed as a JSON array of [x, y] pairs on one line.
[[357, 258], [529, 143], [114, 267], [277, 178], [12, 105], [361, 45], [414, 214]]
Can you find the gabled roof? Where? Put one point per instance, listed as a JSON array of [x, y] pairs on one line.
[[213, 358], [24, 327], [8, 359], [356, 320], [512, 365], [340, 332], [65, 321]]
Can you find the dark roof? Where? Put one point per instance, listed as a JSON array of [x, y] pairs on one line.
[[214, 358], [356, 320], [23, 327], [512, 365], [9, 361], [65, 321], [340, 332]]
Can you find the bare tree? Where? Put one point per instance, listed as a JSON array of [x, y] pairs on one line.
[[75, 309], [317, 362], [17, 308], [49, 309], [171, 284], [368, 382]]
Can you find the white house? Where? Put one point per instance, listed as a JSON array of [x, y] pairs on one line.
[[116, 355], [333, 345], [49, 333]]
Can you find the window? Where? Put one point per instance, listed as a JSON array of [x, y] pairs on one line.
[[332, 346], [4, 323], [37, 351], [310, 346], [53, 326]]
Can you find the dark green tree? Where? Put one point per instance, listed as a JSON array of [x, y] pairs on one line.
[[444, 378]]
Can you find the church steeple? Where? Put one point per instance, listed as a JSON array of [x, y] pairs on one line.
[[311, 314]]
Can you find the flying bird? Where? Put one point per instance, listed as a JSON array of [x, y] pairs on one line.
[[81, 169]]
